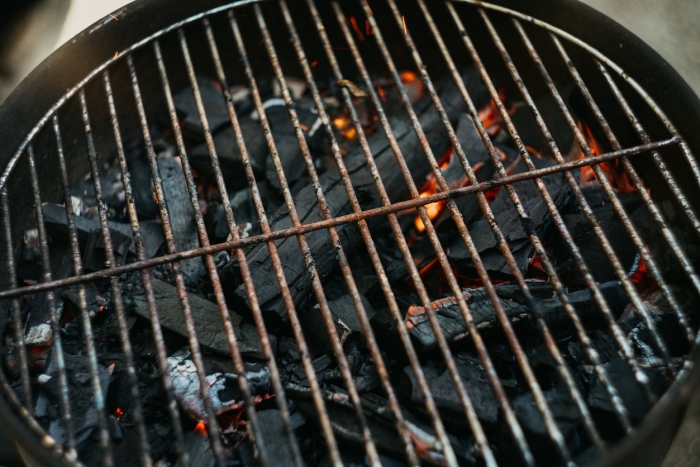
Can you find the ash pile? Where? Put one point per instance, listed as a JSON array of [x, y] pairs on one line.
[[214, 352]]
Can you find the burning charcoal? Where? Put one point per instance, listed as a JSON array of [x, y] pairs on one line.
[[182, 218], [442, 389], [480, 161], [274, 437], [511, 226], [454, 328], [229, 156], [96, 302], [187, 389], [82, 399], [307, 206], [621, 377], [57, 225], [344, 316], [214, 105], [381, 423], [206, 317], [532, 423]]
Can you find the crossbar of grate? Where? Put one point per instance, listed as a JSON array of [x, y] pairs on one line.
[[330, 223], [336, 221]]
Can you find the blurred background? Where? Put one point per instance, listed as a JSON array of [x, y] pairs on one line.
[[31, 29]]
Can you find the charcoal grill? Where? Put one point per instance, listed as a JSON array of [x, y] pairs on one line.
[[109, 84]]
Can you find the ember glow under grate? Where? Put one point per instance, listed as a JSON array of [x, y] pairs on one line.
[[316, 253]]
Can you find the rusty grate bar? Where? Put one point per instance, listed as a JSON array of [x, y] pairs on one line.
[[414, 451], [161, 353], [336, 221]]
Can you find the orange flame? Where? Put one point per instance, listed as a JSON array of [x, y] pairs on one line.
[[430, 188], [491, 117], [613, 170], [358, 31]]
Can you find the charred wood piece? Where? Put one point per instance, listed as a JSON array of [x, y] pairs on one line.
[[57, 226], [511, 225], [383, 427], [182, 218], [206, 317], [551, 309]]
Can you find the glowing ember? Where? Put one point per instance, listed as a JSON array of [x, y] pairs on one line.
[[430, 188], [118, 412], [613, 170], [344, 125], [491, 117], [201, 428], [358, 31]]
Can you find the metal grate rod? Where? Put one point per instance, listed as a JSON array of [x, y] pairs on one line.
[[629, 287], [212, 426], [319, 405], [161, 352], [117, 299], [336, 221], [651, 264], [610, 390], [15, 309], [550, 424]]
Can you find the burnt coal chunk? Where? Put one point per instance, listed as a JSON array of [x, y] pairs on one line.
[[344, 316], [532, 423], [57, 226], [442, 388], [511, 225], [531, 134], [589, 246], [214, 106], [623, 380], [307, 206], [229, 155], [551, 309], [82, 399], [382, 425], [95, 257], [141, 184], [206, 317], [274, 437], [287, 144], [181, 216]]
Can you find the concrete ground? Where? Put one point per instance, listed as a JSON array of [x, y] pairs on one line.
[[668, 26]]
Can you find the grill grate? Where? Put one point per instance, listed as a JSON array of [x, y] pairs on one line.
[[360, 217]]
